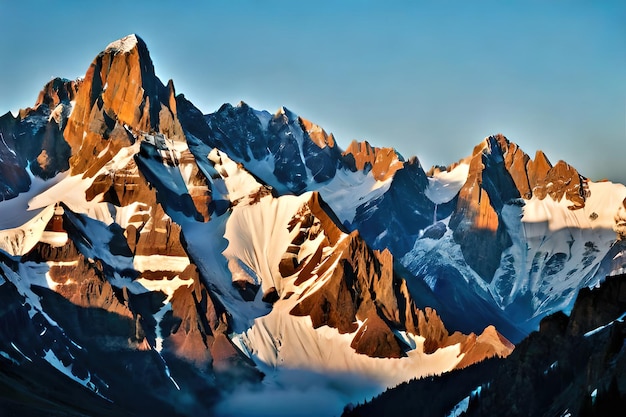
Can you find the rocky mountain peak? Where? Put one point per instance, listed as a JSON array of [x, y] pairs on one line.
[[383, 162], [286, 114], [536, 177], [317, 134], [125, 44], [57, 91], [120, 97]]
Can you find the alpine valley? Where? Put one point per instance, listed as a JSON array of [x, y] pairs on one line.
[[155, 260]]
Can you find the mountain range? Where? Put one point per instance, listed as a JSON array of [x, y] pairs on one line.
[[158, 260]]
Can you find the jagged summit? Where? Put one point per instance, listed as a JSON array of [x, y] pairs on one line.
[[119, 97], [383, 162], [125, 44], [286, 113]]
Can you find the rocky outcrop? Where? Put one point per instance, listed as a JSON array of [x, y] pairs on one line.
[[58, 91], [300, 151], [81, 280], [595, 307], [475, 348], [321, 155], [238, 131], [476, 221], [196, 328], [382, 162], [573, 363], [119, 98]]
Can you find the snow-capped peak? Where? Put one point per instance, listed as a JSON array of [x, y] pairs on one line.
[[124, 45]]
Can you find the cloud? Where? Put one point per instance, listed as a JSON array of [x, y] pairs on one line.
[[298, 393]]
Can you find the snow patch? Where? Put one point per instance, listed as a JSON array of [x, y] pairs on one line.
[[445, 185], [160, 263], [124, 45], [460, 408], [348, 190], [20, 352]]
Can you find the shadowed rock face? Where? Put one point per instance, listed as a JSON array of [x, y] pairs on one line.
[[396, 219], [298, 151], [573, 363], [197, 329], [13, 176], [35, 138]]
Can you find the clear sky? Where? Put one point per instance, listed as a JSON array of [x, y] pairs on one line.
[[431, 79]]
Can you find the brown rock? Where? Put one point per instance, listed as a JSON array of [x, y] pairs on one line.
[[499, 172], [317, 134], [383, 162], [56, 91], [199, 326], [488, 344], [564, 181], [537, 172], [432, 329], [120, 94], [362, 287], [376, 339]]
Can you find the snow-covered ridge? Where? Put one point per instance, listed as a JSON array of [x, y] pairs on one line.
[[445, 185]]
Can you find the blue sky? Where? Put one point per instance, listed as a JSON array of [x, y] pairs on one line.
[[431, 79]]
